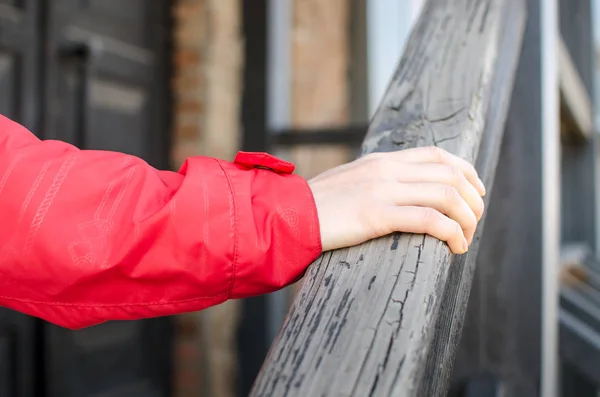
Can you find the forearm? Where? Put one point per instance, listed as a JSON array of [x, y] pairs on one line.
[[92, 236]]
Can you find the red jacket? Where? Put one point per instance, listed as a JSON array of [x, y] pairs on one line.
[[89, 236]]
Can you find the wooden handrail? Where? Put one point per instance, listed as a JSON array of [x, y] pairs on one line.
[[384, 318]]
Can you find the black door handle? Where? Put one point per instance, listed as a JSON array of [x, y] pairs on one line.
[[76, 59], [75, 51], [81, 49]]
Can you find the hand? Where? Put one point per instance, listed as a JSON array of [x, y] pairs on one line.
[[422, 190]]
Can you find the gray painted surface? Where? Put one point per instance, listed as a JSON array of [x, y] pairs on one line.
[[502, 333]]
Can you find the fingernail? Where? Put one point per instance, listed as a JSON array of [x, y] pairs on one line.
[[465, 245]]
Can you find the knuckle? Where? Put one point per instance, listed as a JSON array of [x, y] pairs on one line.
[[385, 165], [455, 175], [377, 224], [369, 166], [375, 156], [471, 167], [450, 195], [437, 153], [379, 166], [471, 223], [374, 164], [373, 186], [430, 218], [457, 230], [450, 228]]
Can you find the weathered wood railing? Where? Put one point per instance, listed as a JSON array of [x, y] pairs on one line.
[[384, 318]]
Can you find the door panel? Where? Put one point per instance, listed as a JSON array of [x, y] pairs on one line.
[[9, 84], [104, 79], [19, 94], [102, 89], [131, 21], [103, 67], [17, 354], [128, 358], [19, 61]]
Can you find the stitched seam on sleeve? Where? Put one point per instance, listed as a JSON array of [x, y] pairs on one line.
[[233, 220], [158, 303], [168, 302], [314, 221]]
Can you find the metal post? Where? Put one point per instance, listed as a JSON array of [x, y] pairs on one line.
[[550, 195]]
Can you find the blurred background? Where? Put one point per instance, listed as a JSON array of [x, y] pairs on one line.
[[168, 79]]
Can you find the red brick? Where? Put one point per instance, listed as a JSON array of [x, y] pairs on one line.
[[186, 82], [188, 106], [187, 9], [187, 131], [187, 379], [189, 34], [186, 57], [187, 352]]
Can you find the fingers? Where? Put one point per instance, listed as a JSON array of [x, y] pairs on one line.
[[423, 220], [443, 174], [437, 155], [442, 198], [421, 190]]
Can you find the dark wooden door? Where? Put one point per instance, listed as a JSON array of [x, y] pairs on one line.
[[19, 60], [115, 359], [105, 79], [105, 85], [19, 90]]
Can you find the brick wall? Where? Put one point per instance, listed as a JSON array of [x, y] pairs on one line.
[[320, 70], [206, 86], [207, 93], [190, 30]]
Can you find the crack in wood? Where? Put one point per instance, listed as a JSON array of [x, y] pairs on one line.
[[371, 282]]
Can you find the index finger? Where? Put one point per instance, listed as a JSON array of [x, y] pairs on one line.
[[432, 154]]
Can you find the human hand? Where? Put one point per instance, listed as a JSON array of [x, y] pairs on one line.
[[422, 190]]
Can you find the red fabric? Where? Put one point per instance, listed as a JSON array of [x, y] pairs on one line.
[[90, 236], [264, 160]]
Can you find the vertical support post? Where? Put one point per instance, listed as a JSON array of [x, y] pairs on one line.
[[550, 196], [510, 328], [278, 79], [279, 64], [253, 342], [358, 79], [254, 96]]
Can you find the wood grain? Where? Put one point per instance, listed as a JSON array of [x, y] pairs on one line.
[[381, 319]]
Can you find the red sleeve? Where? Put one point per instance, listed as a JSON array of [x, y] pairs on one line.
[[90, 236]]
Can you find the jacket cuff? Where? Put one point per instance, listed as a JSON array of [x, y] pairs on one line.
[[277, 227]]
